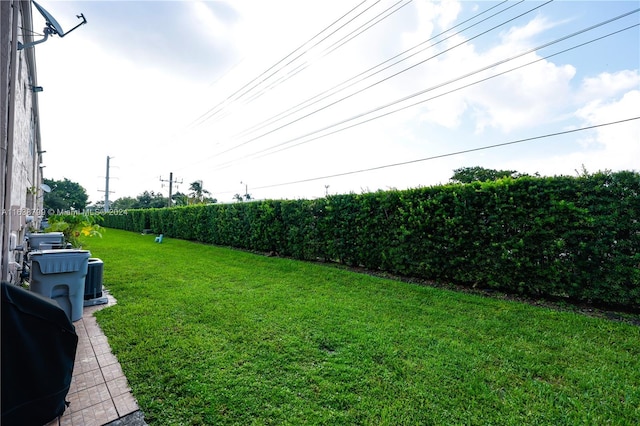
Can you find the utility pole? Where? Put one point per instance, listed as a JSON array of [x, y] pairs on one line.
[[171, 182], [106, 187]]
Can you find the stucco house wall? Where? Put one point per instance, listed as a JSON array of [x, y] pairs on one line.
[[20, 172]]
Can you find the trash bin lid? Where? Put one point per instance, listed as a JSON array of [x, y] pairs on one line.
[[60, 261], [36, 239], [35, 235]]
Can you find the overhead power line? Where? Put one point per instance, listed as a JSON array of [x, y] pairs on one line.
[[353, 80], [450, 154], [235, 96], [253, 139], [380, 108], [344, 40], [307, 63], [363, 75]]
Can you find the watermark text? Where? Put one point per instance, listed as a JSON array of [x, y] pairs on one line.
[[24, 211]]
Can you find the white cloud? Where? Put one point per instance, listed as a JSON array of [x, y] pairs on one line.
[[430, 14], [101, 104], [519, 99], [522, 35], [112, 99], [449, 11], [608, 84], [614, 147], [620, 140], [524, 98], [210, 24]]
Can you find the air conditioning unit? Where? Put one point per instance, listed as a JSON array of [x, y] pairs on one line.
[[93, 283]]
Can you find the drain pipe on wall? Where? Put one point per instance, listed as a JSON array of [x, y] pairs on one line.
[[5, 22], [36, 154], [8, 166]]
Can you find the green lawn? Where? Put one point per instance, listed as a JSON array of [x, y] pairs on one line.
[[208, 335]]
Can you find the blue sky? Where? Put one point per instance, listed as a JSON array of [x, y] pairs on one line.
[[156, 85]]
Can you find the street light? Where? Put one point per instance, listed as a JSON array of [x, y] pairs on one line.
[[246, 190]]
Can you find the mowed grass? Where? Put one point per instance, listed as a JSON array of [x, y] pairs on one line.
[[209, 335]]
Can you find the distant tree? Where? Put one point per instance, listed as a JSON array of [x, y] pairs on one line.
[[180, 199], [240, 198], [65, 195], [97, 206], [198, 194], [146, 200], [123, 203], [472, 174], [151, 200]]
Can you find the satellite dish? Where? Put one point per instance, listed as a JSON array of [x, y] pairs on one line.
[[51, 21], [45, 187], [53, 27]]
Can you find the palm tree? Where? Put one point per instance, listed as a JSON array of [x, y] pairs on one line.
[[198, 193]]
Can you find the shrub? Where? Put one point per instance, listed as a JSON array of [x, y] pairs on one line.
[[574, 237], [75, 228]]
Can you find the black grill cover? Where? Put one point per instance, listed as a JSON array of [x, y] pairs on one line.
[[38, 352]]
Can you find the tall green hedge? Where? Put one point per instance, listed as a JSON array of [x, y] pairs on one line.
[[575, 237]]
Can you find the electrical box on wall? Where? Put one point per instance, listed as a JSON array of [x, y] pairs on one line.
[[13, 241]]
